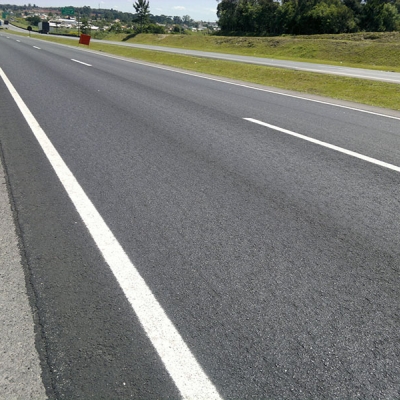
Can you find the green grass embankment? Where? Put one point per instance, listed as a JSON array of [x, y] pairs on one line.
[[373, 93], [363, 50]]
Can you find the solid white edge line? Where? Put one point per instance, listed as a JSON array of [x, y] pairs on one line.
[[238, 84], [180, 363], [81, 62], [306, 69], [327, 145], [243, 85], [232, 83]]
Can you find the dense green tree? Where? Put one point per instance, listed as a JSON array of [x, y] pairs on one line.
[[154, 28], [162, 19], [108, 15], [116, 28], [177, 29], [246, 16], [380, 16], [371, 16], [86, 11], [354, 5], [187, 20], [265, 17], [226, 13], [177, 20], [330, 16], [287, 17], [142, 8], [85, 27], [390, 17], [34, 20]]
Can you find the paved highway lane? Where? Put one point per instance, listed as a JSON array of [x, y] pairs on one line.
[[276, 259], [383, 76], [377, 75]]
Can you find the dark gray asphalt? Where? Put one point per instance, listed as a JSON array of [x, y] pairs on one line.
[[277, 260], [19, 360], [382, 76]]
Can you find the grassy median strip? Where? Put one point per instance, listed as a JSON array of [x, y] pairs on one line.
[[379, 94], [363, 50]]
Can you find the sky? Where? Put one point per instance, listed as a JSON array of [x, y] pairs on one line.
[[197, 9], [205, 10]]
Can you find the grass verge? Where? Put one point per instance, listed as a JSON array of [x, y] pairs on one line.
[[363, 50], [379, 94]]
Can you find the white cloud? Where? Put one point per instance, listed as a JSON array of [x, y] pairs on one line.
[[179, 8]]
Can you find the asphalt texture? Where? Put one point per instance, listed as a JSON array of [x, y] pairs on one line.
[[370, 74], [93, 345], [276, 259], [20, 375], [383, 76]]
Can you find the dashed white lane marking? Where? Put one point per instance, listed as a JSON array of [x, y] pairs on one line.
[[182, 366], [246, 86], [81, 62], [221, 80], [329, 146], [35, 47]]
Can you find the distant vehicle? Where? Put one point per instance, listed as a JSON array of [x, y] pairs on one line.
[[1, 22], [43, 27], [6, 22]]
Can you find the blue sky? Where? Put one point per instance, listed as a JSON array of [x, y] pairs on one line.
[[198, 9]]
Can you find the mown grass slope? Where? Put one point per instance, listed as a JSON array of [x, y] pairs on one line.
[[364, 50], [363, 91]]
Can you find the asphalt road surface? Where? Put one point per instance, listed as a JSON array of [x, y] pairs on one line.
[[265, 227], [20, 372], [377, 75]]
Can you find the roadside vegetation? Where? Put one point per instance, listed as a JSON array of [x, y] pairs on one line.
[[362, 91], [101, 23], [365, 50], [307, 17], [376, 50], [240, 20]]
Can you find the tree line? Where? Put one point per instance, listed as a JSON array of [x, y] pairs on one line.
[[107, 15], [306, 17]]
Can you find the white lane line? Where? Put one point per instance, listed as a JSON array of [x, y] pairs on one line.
[[18, 41], [80, 62], [184, 369], [246, 86], [329, 146], [333, 71], [35, 47]]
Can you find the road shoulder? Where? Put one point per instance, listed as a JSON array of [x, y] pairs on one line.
[[19, 362]]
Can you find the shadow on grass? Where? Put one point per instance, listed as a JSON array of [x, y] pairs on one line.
[[131, 36]]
